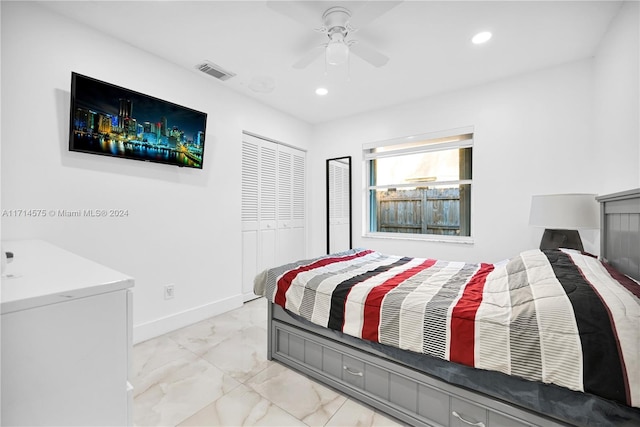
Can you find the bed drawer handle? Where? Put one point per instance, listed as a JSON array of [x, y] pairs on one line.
[[357, 374], [478, 424]]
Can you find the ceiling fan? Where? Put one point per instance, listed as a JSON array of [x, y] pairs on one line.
[[337, 21]]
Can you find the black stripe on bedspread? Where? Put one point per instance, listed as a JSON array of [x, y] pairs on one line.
[[603, 373], [340, 293]]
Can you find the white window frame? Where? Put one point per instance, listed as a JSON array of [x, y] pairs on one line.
[[432, 146]]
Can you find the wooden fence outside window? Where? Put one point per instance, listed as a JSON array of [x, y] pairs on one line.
[[419, 211]]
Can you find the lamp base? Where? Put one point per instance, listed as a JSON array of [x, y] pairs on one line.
[[554, 239]]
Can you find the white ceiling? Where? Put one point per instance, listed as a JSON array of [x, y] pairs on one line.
[[428, 43]]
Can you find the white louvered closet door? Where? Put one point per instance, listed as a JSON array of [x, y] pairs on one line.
[[268, 208], [250, 213], [273, 207], [291, 212]]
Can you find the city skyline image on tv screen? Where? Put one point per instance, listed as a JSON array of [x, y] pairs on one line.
[[113, 121]]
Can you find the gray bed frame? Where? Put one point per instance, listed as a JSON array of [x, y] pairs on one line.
[[423, 391], [620, 231]]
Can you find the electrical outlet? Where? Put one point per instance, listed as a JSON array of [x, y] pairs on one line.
[[168, 291]]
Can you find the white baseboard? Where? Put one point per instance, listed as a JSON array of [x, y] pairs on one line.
[[155, 328]]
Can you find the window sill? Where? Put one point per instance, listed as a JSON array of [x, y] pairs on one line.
[[421, 237]]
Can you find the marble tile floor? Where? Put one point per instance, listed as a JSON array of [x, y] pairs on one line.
[[215, 373]]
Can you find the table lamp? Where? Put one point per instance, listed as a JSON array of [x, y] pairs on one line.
[[562, 215]]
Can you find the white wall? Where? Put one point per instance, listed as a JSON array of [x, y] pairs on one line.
[[572, 128], [183, 225], [617, 102], [532, 135]]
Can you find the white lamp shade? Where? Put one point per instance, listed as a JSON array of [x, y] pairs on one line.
[[565, 211]]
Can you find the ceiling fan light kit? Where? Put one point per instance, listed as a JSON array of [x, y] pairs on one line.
[[337, 51], [336, 25]]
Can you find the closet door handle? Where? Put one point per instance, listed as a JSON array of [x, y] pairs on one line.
[[458, 416], [357, 374]]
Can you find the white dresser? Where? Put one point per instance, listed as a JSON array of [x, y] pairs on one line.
[[66, 339]]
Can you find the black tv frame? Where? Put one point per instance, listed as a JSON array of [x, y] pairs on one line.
[[103, 121]]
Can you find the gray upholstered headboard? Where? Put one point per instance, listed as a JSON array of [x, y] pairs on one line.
[[620, 231]]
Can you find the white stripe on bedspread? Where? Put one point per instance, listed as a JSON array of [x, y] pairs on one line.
[[413, 307], [492, 341], [560, 345]]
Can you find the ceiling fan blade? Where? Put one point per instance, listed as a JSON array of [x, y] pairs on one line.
[[300, 11], [369, 54], [309, 57], [364, 12]]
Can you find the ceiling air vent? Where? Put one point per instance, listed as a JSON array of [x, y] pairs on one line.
[[214, 70]]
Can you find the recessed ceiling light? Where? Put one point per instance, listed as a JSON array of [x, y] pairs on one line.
[[482, 37], [322, 91]]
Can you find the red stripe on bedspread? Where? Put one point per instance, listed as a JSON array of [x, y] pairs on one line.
[[284, 283], [462, 343], [373, 302], [625, 281]]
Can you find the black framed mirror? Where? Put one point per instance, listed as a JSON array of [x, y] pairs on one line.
[[339, 204]]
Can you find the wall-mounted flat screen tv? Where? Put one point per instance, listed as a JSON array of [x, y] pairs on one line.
[[113, 121]]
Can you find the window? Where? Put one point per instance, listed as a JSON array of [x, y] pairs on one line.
[[420, 187]]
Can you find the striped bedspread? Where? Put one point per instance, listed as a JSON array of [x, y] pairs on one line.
[[555, 316]]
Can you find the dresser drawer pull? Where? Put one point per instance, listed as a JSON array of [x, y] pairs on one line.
[[478, 424], [357, 374]]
